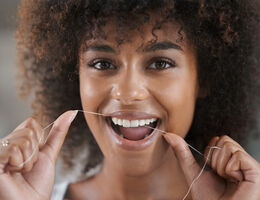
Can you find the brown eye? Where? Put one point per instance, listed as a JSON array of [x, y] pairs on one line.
[[102, 65], [161, 64]]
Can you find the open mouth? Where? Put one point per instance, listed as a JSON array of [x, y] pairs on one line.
[[134, 130]]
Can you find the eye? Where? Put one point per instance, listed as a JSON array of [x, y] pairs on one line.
[[102, 64], [161, 64]]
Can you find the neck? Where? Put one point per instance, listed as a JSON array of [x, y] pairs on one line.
[[165, 182]]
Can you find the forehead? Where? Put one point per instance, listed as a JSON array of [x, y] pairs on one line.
[[138, 35]]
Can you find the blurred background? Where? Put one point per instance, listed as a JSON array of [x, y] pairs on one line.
[[13, 110]]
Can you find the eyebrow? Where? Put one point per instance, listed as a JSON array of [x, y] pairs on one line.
[[153, 47], [162, 46], [101, 48]]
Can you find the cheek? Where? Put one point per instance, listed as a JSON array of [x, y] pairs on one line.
[[178, 96], [93, 91]]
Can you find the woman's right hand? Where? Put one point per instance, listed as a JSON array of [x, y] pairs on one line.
[[34, 179]]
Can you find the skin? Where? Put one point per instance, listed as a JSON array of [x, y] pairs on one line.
[[134, 87], [129, 85], [165, 169]]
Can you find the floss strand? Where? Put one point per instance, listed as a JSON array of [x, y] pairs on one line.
[[161, 131]]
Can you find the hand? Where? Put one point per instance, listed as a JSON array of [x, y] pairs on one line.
[[235, 174], [34, 179]]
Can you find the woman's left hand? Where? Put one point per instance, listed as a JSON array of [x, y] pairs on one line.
[[235, 175]]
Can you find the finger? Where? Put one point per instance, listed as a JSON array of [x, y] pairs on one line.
[[234, 146], [216, 153], [28, 149], [57, 134], [233, 168], [243, 167], [25, 140], [225, 138], [35, 126], [187, 162], [14, 158], [226, 152], [220, 157], [37, 129], [23, 124], [212, 143]]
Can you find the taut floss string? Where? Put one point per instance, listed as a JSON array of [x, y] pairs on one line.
[[89, 112]]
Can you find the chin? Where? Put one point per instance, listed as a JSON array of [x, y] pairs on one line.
[[140, 163]]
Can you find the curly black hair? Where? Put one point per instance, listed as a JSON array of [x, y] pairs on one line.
[[225, 34]]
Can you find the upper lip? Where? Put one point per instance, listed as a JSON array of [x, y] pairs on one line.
[[132, 115]]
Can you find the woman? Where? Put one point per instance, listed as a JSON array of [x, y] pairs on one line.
[[187, 68]]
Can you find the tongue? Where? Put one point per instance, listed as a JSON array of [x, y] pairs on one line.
[[134, 133]]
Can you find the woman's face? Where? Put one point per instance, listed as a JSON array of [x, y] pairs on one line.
[[138, 80]]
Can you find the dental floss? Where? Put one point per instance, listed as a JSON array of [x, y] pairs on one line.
[[89, 112], [204, 165], [187, 143], [195, 179]]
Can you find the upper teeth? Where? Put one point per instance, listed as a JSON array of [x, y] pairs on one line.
[[132, 123]]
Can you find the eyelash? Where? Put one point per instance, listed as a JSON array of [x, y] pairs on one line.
[[100, 61], [155, 61], [164, 61]]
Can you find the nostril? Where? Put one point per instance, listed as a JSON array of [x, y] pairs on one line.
[[129, 94]]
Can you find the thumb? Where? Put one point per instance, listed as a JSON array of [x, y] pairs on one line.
[[189, 165], [57, 134]]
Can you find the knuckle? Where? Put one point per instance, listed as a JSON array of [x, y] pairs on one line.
[[239, 154], [27, 143], [30, 120], [216, 138], [213, 139], [33, 123], [228, 145], [224, 138], [227, 170], [14, 148], [29, 133]]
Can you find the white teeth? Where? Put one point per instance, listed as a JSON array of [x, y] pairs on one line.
[[153, 120], [119, 122], [142, 122], [115, 120], [126, 123], [132, 123], [147, 121]]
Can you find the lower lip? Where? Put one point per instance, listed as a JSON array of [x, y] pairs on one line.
[[131, 145]]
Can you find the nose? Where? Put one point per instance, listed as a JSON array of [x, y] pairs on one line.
[[129, 88]]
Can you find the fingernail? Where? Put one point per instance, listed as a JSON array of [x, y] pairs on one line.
[[73, 116]]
